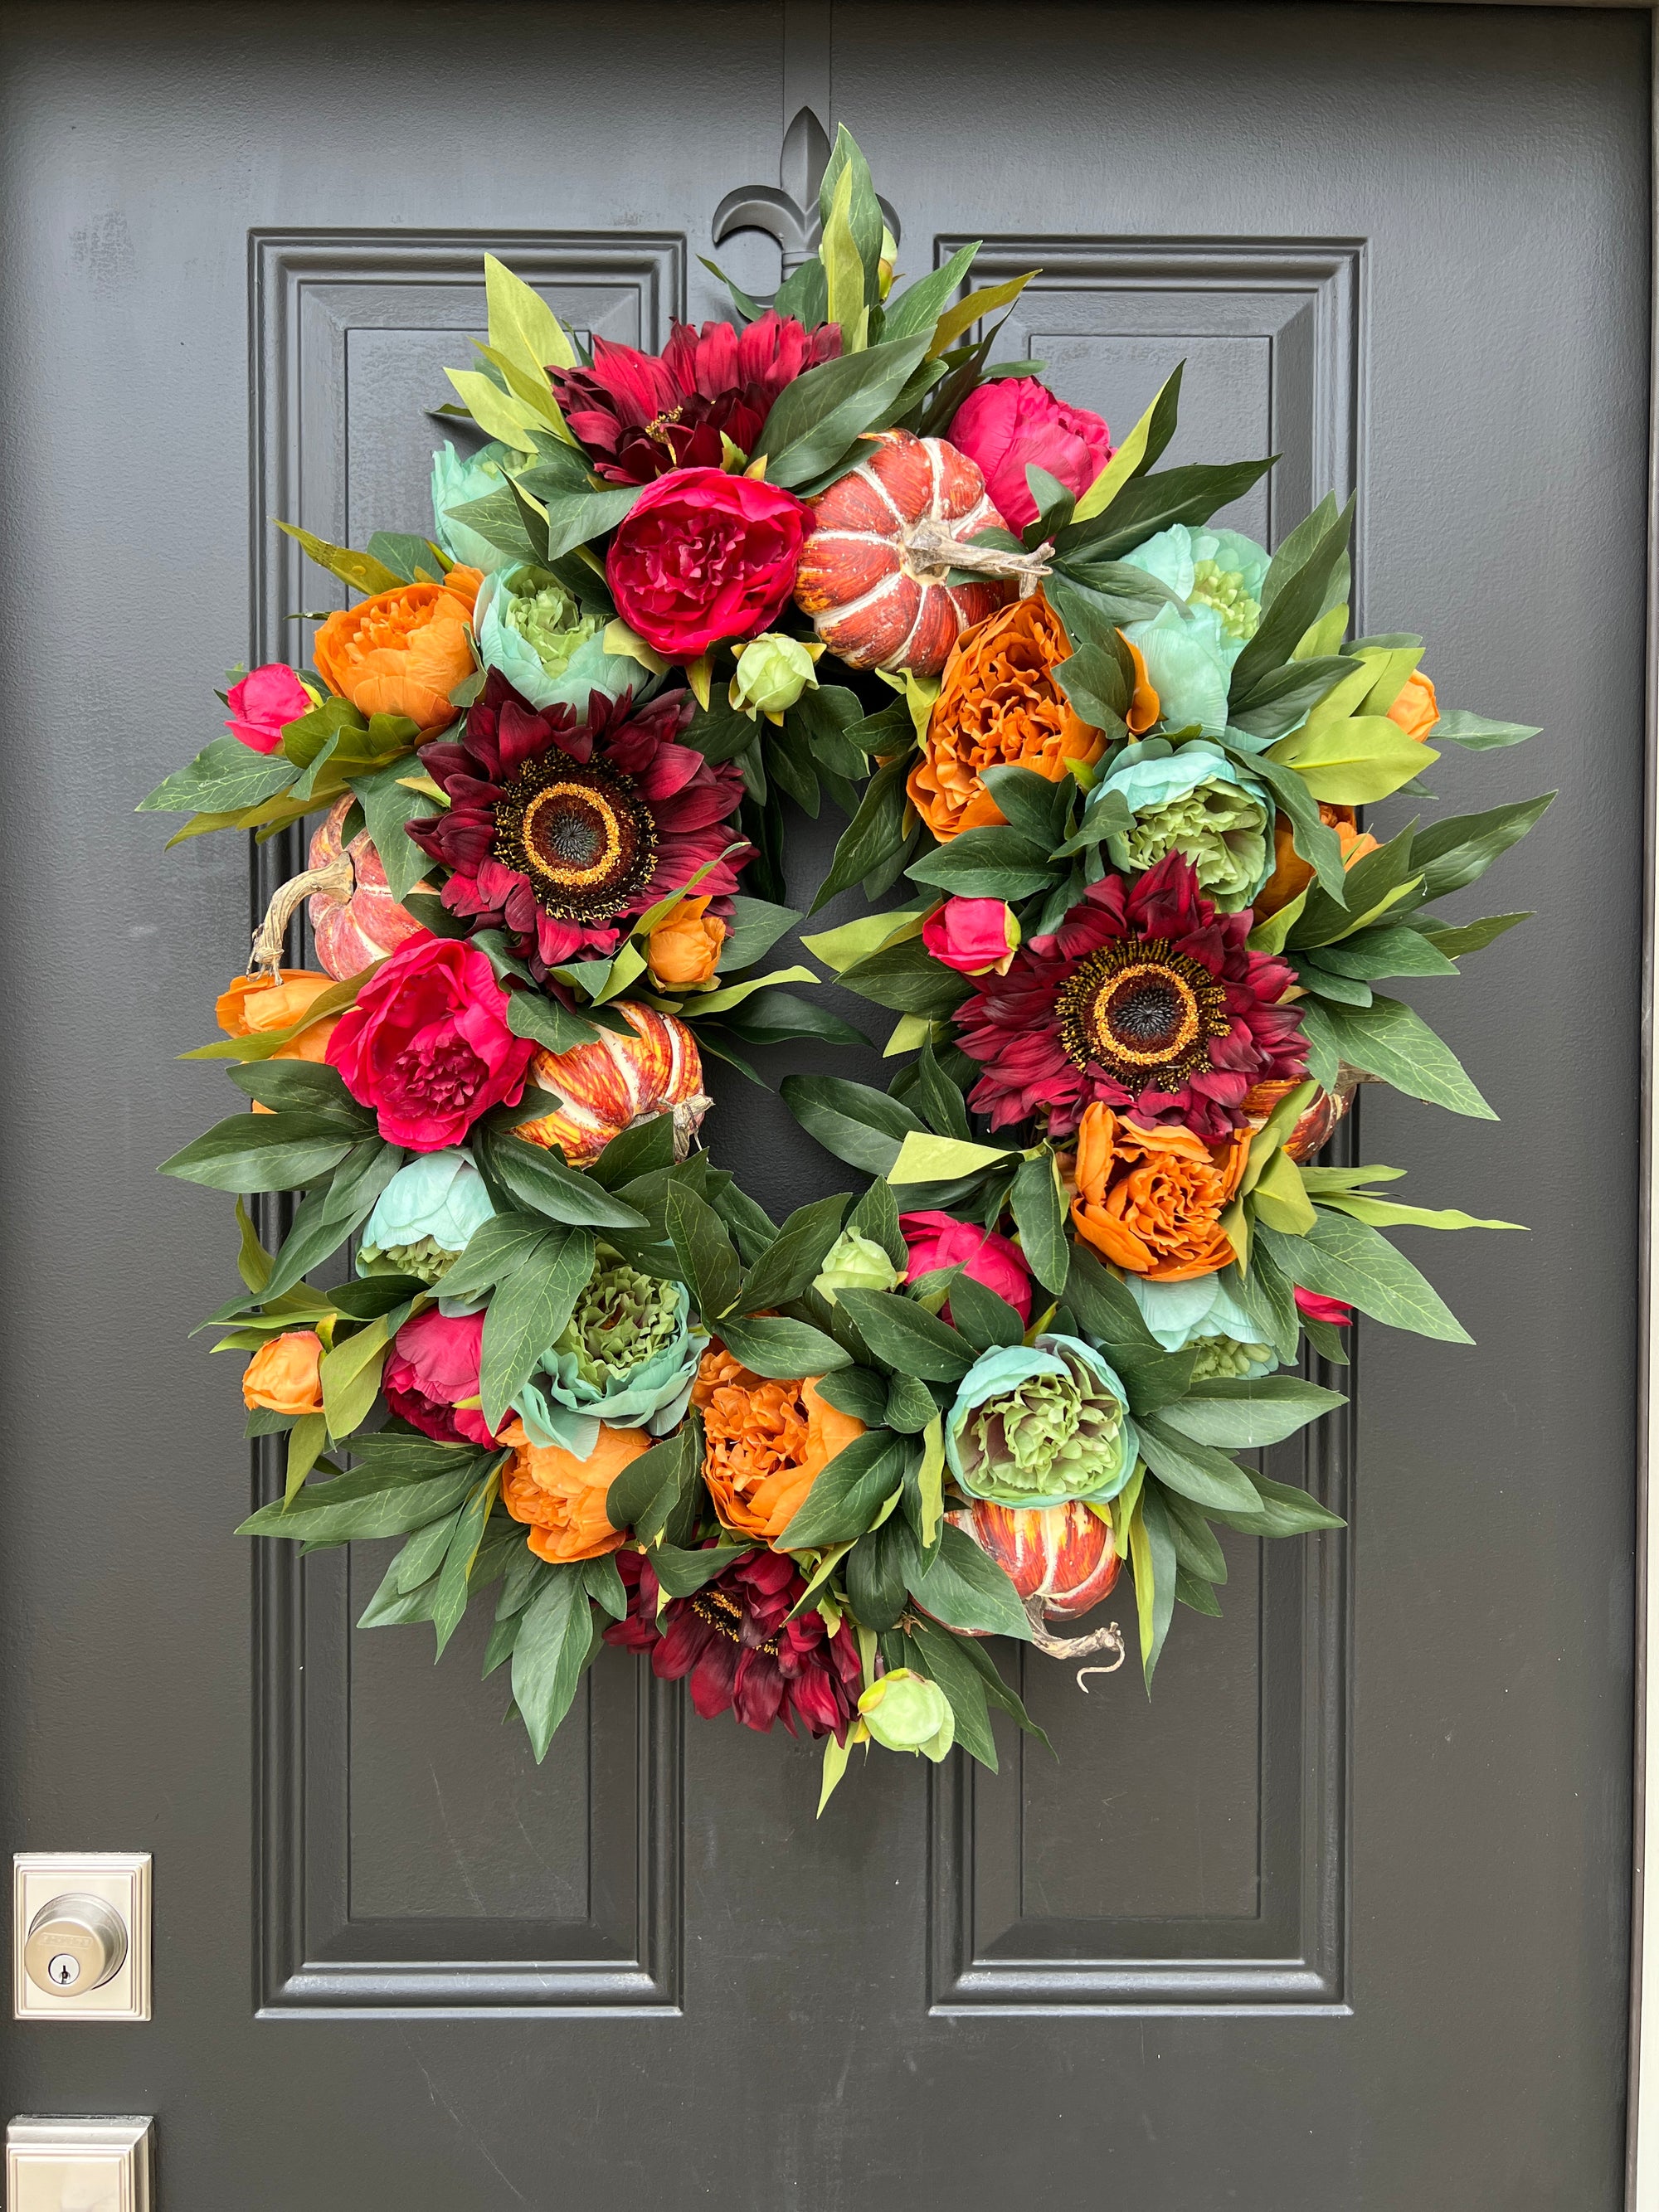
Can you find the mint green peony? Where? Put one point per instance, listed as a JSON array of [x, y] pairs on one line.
[[1189, 657], [904, 1712], [1041, 1424], [424, 1218], [531, 627], [1190, 798], [454, 481], [627, 1357], [1203, 1312]]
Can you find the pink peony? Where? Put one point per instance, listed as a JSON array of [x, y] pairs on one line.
[[433, 1366], [703, 556], [265, 700], [939, 1240], [427, 1044], [975, 936], [1319, 1308], [1013, 420]]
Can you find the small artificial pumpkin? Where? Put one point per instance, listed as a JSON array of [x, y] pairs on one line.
[[355, 920], [885, 536], [1062, 1558], [612, 1082]]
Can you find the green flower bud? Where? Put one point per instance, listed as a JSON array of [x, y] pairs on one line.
[[1227, 590], [620, 1320], [1226, 1359], [855, 1262], [906, 1712], [539, 609], [773, 671]]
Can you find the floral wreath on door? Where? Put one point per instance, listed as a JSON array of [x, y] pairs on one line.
[[1101, 761]]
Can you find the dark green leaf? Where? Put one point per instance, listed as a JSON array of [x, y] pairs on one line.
[[304, 1086], [1280, 1510], [944, 1662], [859, 1391], [965, 1590], [781, 1348], [788, 1264], [532, 1014], [224, 777], [815, 419], [874, 1573], [1454, 938], [981, 1317], [907, 1337], [1476, 733], [1106, 1309], [1298, 596], [535, 1177], [862, 1126], [1285, 697], [777, 1016], [649, 1145], [755, 927], [528, 1312], [681, 1573], [906, 977], [985, 863], [1160, 1539], [1391, 1040], [876, 833], [1386, 952], [1342, 1258], [388, 805], [845, 1498], [877, 1216], [1208, 1477], [711, 1264], [1039, 1212], [262, 1151], [1147, 504], [550, 1653], [909, 1405], [454, 1583], [1461, 848], [1245, 1415]]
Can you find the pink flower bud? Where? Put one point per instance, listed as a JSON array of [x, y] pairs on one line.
[[975, 936], [265, 700], [1013, 420]]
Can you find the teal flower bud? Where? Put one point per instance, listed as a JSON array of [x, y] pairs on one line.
[[531, 628], [906, 1712], [1040, 1425], [773, 671], [1190, 798], [424, 1217], [627, 1357], [855, 1262], [454, 481]]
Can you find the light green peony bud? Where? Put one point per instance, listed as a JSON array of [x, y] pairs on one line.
[[547, 617], [855, 1262], [906, 1712], [1039, 1425], [620, 1320], [773, 671]]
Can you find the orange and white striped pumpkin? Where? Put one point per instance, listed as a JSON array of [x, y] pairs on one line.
[[873, 573], [355, 930], [1063, 1555], [612, 1082]]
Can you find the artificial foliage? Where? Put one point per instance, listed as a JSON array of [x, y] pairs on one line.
[[1102, 763]]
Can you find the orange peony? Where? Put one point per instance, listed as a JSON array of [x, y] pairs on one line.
[[1291, 873], [562, 1497], [765, 1443], [686, 948], [284, 1376], [999, 706], [1151, 1199], [1416, 710], [403, 652]]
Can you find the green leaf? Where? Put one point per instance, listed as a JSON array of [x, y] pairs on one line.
[[910, 1405], [454, 1580], [371, 1500], [907, 1337], [877, 833], [529, 1311], [1245, 1415], [942, 1661], [362, 573], [1103, 1304], [965, 1590], [532, 1014], [330, 1214], [1196, 1470], [1461, 848], [387, 805], [1477, 733], [648, 1493], [847, 1496], [1196, 1549], [755, 928], [979, 1314], [860, 1391], [776, 1017], [681, 1573], [1284, 695], [549, 1655], [262, 1151], [1374, 953], [1385, 1213], [905, 977], [1454, 940], [919, 307], [1391, 1040], [1281, 1510], [1296, 600], [775, 1347], [1151, 503], [1342, 1258], [859, 1125], [815, 419], [351, 1373], [793, 1258], [1143, 446], [1152, 1562], [304, 1086], [1317, 844], [1039, 1211], [1353, 762], [416, 560], [706, 1252], [985, 863], [223, 778], [877, 1216], [537, 1178]]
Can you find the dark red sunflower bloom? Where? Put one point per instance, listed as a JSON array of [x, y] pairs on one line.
[[735, 1640], [640, 414], [1145, 998], [558, 832]]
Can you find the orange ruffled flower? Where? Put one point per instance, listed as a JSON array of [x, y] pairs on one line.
[[1151, 1199], [765, 1443], [686, 948], [284, 1375], [1416, 710], [562, 1497], [403, 652], [999, 706]]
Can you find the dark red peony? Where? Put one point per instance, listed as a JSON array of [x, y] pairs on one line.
[[1145, 998], [639, 414], [735, 1640], [427, 1044], [558, 832], [703, 555]]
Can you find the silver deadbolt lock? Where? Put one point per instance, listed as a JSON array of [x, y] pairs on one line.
[[76, 1942]]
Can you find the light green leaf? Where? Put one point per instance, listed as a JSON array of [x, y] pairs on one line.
[[521, 324], [923, 1158], [1355, 762], [1391, 1040]]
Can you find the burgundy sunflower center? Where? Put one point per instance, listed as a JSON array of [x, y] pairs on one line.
[[1142, 1011], [725, 1616], [583, 836]]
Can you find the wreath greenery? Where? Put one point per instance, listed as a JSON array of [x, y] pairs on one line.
[[1109, 754]]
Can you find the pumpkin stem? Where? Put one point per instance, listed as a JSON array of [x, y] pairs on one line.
[[1110, 1638], [929, 546], [339, 878]]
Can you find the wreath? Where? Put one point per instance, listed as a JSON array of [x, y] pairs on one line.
[[1102, 762]]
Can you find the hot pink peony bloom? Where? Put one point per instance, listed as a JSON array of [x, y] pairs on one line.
[[265, 700], [939, 1240], [1319, 1308], [1013, 420], [434, 1364], [975, 936], [703, 556], [427, 1044]]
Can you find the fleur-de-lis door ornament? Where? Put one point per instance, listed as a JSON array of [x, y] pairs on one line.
[[788, 211]]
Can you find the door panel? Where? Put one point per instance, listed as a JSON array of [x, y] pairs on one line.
[[1339, 1919]]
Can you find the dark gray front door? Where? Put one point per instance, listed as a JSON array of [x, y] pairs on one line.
[[1340, 1920]]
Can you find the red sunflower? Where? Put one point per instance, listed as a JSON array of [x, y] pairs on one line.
[[736, 1641], [639, 414], [1145, 998], [559, 831]]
